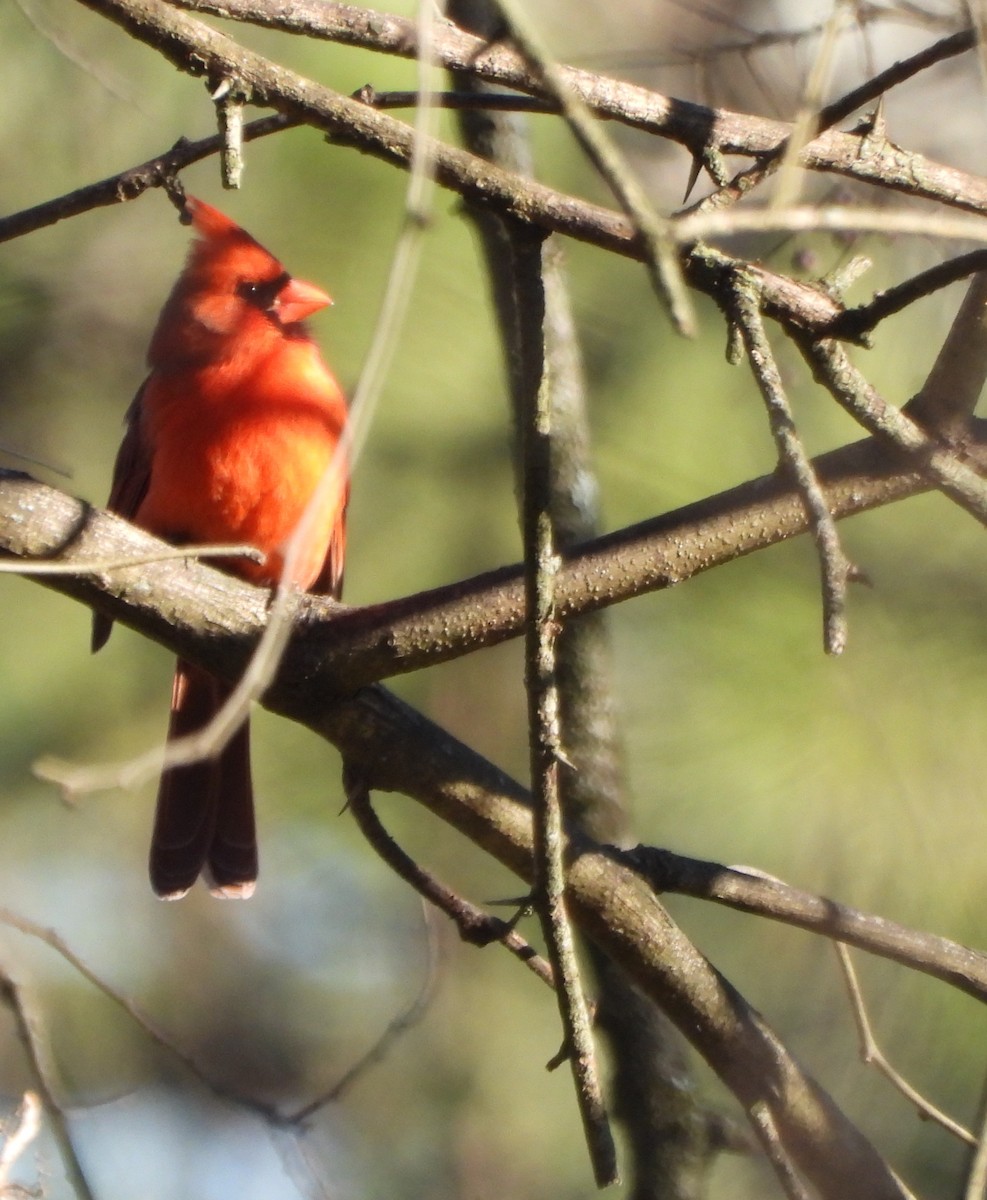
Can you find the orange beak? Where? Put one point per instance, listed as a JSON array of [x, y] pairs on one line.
[[298, 300]]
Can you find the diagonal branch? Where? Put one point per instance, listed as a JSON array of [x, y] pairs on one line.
[[835, 568], [661, 251], [396, 749], [31, 1038], [130, 184], [750, 891], [199, 50], [697, 127]]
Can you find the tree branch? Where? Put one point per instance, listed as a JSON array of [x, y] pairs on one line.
[[347, 648], [697, 127], [751, 892], [397, 749], [199, 50]]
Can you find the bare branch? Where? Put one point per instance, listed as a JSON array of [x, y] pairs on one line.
[[349, 648], [18, 1139], [473, 925], [97, 566], [661, 256], [807, 123], [546, 751], [396, 1028], [835, 568], [133, 1011], [857, 322], [954, 478], [752, 892], [130, 184], [694, 126], [196, 48], [395, 748], [872, 1054], [12, 997]]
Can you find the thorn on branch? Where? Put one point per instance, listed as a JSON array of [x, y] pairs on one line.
[[706, 158]]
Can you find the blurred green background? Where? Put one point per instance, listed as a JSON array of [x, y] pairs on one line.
[[859, 777]]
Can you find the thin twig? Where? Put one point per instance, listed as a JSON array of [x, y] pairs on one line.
[[17, 1141], [12, 997], [542, 563], [132, 1010], [396, 1028], [835, 568], [473, 925], [776, 1154], [664, 1123], [855, 322], [130, 184], [900, 72], [871, 1053], [693, 125], [976, 1180], [848, 386], [268, 1112], [100, 566], [662, 261], [700, 224], [807, 121], [873, 89]]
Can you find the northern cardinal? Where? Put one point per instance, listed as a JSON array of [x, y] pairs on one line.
[[226, 441]]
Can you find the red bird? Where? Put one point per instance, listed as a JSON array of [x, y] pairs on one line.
[[226, 441]]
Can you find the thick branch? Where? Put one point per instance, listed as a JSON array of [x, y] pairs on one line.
[[345, 649], [696, 126], [397, 749], [196, 48]]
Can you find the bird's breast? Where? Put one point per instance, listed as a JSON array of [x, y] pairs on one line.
[[241, 464]]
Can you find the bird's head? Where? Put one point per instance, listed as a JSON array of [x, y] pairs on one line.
[[233, 297]]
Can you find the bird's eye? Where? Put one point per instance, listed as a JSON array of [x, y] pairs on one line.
[[249, 291], [262, 294]]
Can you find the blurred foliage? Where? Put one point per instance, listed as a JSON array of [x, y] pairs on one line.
[[858, 777]]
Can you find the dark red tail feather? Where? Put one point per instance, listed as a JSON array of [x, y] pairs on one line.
[[204, 821]]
